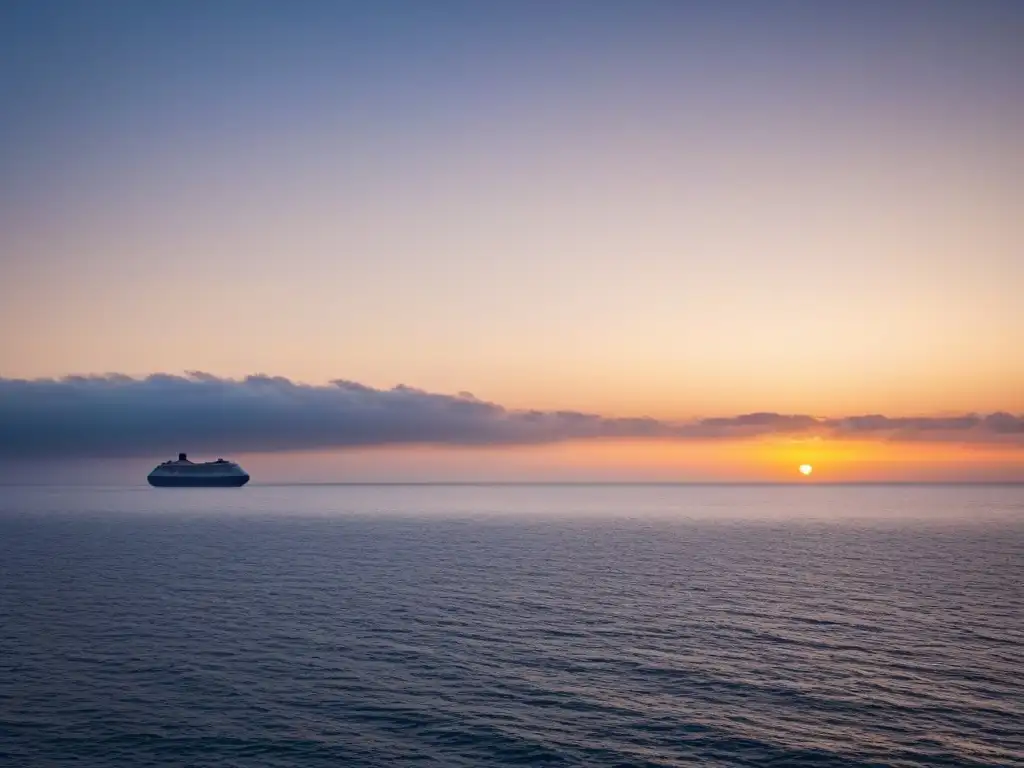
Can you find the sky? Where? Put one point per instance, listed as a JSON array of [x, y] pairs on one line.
[[619, 225]]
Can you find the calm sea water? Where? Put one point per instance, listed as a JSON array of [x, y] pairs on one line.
[[504, 625]]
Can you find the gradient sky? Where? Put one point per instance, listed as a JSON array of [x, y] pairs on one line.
[[665, 209]]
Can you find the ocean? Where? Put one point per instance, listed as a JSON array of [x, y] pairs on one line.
[[503, 625]]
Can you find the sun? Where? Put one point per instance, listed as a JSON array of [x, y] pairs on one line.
[[806, 469]]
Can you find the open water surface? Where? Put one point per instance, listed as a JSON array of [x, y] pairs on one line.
[[512, 625]]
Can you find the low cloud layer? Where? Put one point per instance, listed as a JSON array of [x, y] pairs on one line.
[[120, 416]]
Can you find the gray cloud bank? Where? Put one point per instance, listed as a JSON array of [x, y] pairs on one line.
[[120, 416]]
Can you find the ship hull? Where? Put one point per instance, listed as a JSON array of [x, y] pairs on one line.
[[165, 481]]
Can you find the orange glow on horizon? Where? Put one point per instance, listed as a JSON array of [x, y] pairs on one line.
[[754, 460]]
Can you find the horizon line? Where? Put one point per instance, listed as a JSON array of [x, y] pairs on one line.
[[554, 483]]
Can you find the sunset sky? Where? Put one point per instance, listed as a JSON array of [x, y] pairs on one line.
[[664, 215]]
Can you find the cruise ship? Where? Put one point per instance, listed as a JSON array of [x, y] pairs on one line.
[[188, 474]]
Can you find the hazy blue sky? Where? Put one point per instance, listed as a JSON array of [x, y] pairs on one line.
[[665, 209]]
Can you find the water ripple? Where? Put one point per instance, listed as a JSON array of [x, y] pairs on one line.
[[294, 627]]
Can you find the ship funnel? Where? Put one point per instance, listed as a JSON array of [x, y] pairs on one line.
[[182, 457]]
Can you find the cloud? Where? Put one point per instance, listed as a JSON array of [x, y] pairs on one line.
[[995, 427], [121, 416]]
